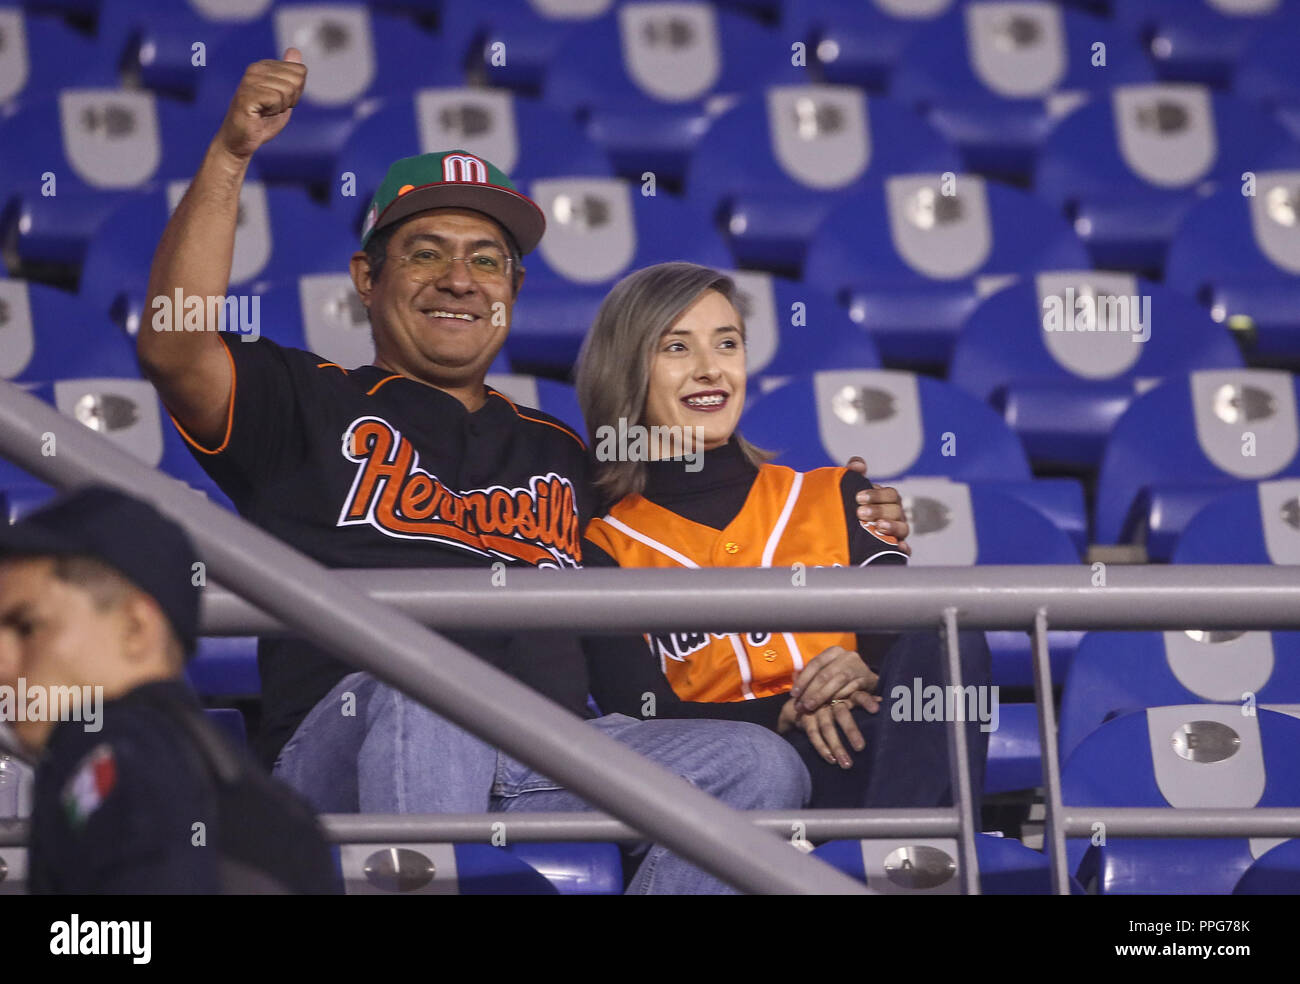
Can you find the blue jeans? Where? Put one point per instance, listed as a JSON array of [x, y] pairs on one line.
[[396, 756]]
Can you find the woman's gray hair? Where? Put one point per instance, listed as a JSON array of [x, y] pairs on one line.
[[613, 369]]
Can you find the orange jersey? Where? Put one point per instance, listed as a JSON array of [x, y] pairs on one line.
[[788, 517]]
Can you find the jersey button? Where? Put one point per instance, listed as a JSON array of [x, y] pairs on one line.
[[731, 547]]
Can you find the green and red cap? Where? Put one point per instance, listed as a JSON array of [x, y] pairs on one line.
[[454, 179]]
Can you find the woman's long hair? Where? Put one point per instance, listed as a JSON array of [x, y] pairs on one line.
[[613, 373]]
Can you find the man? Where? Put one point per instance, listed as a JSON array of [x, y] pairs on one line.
[[137, 793], [409, 462]]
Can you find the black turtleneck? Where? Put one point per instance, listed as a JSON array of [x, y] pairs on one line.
[[622, 669]]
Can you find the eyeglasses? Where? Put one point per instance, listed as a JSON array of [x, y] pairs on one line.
[[486, 266]]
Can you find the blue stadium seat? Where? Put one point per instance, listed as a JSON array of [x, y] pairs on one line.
[[913, 256], [524, 138], [931, 867], [1186, 441], [437, 869], [598, 229], [995, 77], [1128, 168], [1239, 255], [230, 722], [281, 234], [1182, 756], [1063, 357], [901, 423], [225, 666], [47, 334], [776, 164], [352, 55], [40, 54], [1275, 872], [859, 44], [128, 413], [557, 399], [1200, 40], [512, 43], [1253, 524], [645, 73], [959, 524], [70, 160], [1115, 673], [792, 329], [1266, 75], [154, 42], [575, 869]]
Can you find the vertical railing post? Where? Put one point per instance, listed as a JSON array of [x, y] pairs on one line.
[[963, 796], [1053, 835]]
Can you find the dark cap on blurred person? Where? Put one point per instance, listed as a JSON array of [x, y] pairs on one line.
[[129, 535]]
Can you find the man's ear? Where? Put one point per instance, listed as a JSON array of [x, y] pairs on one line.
[[145, 629], [359, 268]]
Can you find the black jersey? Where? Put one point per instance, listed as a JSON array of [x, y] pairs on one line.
[[365, 468], [158, 801]]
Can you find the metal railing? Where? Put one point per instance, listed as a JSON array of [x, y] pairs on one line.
[[279, 590]]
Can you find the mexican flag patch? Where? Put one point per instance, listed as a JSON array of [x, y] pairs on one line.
[[91, 784]]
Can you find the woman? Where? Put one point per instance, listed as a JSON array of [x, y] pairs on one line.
[[667, 353]]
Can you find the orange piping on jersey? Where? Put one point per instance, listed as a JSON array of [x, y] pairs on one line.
[[537, 420], [328, 365], [230, 413], [386, 379]]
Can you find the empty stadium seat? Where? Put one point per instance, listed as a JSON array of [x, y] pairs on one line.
[[644, 74], [1254, 524], [167, 46], [524, 138], [1199, 40], [352, 55], [1062, 357], [512, 43], [40, 54], [1184, 442], [47, 334], [932, 867], [281, 234], [1239, 254], [70, 160], [1266, 74], [1183, 756], [225, 666], [575, 869], [1115, 673], [230, 722], [1127, 168], [1275, 872], [437, 869], [914, 254], [776, 164], [994, 77], [859, 44]]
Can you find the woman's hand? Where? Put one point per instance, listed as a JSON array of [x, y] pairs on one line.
[[824, 725], [833, 673]]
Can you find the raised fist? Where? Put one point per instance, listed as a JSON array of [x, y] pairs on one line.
[[266, 96]]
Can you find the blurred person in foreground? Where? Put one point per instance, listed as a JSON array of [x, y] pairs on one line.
[[666, 354], [136, 791]]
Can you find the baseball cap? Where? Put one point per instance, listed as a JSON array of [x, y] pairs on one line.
[[454, 179], [127, 534]]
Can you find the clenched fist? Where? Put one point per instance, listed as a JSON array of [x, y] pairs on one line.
[[266, 96]]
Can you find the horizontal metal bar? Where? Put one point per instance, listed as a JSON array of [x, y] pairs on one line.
[[844, 599], [1263, 821]]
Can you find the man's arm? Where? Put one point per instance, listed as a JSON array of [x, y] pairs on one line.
[[191, 369]]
